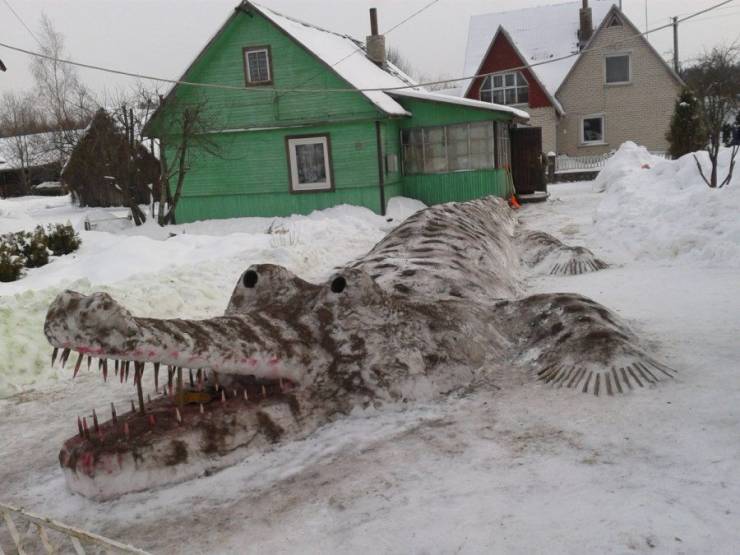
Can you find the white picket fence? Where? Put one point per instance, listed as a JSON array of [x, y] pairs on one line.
[[575, 164], [38, 534]]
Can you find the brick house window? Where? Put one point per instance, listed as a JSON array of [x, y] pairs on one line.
[[592, 130], [617, 69], [257, 65], [309, 163], [505, 88]]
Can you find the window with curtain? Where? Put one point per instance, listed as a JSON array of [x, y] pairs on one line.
[[310, 164]]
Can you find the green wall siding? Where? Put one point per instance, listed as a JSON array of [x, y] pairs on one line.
[[250, 175], [195, 208], [292, 67], [457, 186]]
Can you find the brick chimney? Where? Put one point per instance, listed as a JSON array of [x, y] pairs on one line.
[[375, 42], [586, 28]]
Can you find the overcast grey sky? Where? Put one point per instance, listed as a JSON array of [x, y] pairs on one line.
[[161, 37]]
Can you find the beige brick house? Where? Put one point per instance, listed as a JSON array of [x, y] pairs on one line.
[[589, 90]]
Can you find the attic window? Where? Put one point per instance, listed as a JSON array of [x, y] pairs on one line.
[[617, 69], [257, 65], [505, 88], [615, 21]]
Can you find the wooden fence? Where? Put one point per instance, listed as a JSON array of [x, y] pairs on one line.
[[594, 163], [43, 535]]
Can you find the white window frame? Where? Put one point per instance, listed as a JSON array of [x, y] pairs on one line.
[[601, 116], [629, 66], [247, 52], [295, 185], [516, 87]]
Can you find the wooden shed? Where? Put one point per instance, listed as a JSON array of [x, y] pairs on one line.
[[105, 163]]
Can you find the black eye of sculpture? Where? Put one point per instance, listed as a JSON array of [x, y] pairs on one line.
[[338, 284], [250, 279]]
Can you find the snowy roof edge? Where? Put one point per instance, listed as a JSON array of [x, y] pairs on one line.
[[379, 98], [447, 99]]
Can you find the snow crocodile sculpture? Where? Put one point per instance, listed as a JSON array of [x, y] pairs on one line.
[[435, 308]]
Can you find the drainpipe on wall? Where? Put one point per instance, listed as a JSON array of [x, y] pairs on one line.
[[381, 167]]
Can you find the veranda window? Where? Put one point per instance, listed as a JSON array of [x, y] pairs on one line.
[[505, 88], [441, 149], [309, 163], [503, 146]]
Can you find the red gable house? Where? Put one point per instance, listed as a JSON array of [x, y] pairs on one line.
[[583, 71]]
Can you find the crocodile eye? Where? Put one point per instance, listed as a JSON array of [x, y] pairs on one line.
[[338, 284], [250, 279]]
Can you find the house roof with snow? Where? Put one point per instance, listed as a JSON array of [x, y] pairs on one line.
[[38, 151], [539, 34], [347, 57]]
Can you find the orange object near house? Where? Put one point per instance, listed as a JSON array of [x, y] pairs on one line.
[[514, 203]]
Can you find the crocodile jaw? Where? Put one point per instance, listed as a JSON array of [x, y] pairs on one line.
[[98, 326]]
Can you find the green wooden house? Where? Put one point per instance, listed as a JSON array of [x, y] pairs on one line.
[[305, 118]]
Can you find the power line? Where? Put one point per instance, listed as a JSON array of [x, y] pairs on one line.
[[396, 26], [19, 18], [371, 89], [412, 16]]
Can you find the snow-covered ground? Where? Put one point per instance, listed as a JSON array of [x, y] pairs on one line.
[[527, 469]]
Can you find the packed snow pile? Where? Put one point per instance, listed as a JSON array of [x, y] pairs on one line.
[[629, 159], [657, 209], [185, 270]]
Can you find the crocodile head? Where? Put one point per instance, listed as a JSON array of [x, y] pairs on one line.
[[286, 357]]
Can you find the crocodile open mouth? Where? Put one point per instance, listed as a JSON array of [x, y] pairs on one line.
[[192, 416]]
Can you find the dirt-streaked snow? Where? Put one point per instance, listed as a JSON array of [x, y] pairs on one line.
[[528, 469]]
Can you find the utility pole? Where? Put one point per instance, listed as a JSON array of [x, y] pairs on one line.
[[675, 43], [646, 17]]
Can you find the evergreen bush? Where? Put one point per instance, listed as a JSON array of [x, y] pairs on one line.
[[62, 239], [33, 247], [686, 133], [11, 264]]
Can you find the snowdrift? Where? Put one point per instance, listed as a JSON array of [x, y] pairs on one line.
[[657, 209], [189, 275]]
